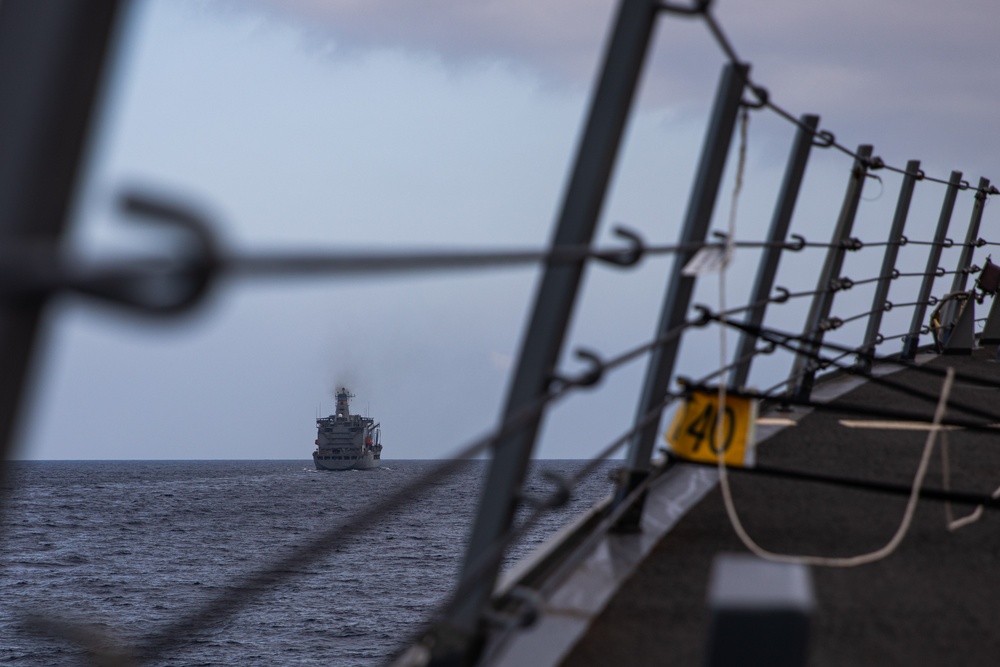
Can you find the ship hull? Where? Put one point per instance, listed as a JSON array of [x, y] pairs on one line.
[[364, 462]]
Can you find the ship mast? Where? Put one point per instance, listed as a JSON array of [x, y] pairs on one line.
[[344, 402]]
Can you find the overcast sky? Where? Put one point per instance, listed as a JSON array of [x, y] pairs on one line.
[[317, 124]]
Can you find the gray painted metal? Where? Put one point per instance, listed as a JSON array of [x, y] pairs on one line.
[[803, 371], [962, 337], [680, 287], [550, 317], [912, 340], [780, 221], [971, 236], [867, 348], [991, 332], [52, 54], [761, 612]]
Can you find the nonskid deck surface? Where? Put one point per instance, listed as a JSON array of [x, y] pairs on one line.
[[930, 603]]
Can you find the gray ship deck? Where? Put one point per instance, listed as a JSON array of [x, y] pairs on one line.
[[930, 603]]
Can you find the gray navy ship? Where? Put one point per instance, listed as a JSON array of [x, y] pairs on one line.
[[345, 441]]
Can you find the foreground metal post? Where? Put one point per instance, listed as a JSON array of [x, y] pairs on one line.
[[52, 55], [912, 341], [679, 288], [803, 370], [867, 349], [458, 639], [780, 221]]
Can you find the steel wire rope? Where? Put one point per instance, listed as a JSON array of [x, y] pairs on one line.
[[945, 495], [251, 585], [784, 336], [492, 556], [916, 418], [875, 379], [824, 139], [731, 511], [952, 524], [851, 561], [947, 243]]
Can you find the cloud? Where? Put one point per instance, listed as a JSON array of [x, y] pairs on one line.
[[914, 76], [555, 39], [501, 361]]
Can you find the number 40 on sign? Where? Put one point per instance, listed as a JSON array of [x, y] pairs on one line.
[[696, 434]]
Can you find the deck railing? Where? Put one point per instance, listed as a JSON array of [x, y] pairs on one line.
[[51, 42]]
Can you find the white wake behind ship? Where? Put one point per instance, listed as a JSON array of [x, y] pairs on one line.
[[345, 441]]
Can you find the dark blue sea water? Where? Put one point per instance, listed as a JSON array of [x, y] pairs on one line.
[[129, 547]]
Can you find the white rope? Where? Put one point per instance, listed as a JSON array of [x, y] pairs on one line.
[[952, 523], [727, 496], [862, 559]]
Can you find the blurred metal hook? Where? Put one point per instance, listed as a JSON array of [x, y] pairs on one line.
[[629, 256], [800, 243], [161, 288], [589, 377]]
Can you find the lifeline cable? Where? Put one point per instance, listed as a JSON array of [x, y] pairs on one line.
[[861, 559]]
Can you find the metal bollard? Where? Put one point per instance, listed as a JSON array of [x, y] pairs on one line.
[[760, 613]]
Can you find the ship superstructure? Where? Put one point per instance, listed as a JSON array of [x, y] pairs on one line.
[[345, 441]]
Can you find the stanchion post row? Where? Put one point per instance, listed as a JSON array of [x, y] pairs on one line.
[[52, 57], [780, 222], [460, 634], [803, 374], [881, 296], [958, 318], [912, 340], [971, 236], [677, 300]]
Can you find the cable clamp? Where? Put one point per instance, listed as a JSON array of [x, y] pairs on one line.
[[763, 97], [875, 163], [769, 348], [852, 244], [830, 324], [782, 297], [705, 315], [824, 139], [843, 283]]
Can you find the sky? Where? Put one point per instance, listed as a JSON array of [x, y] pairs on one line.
[[322, 125]]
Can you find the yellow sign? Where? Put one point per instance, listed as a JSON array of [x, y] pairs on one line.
[[695, 433]]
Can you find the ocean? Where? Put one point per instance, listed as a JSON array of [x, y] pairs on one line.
[[130, 547]]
